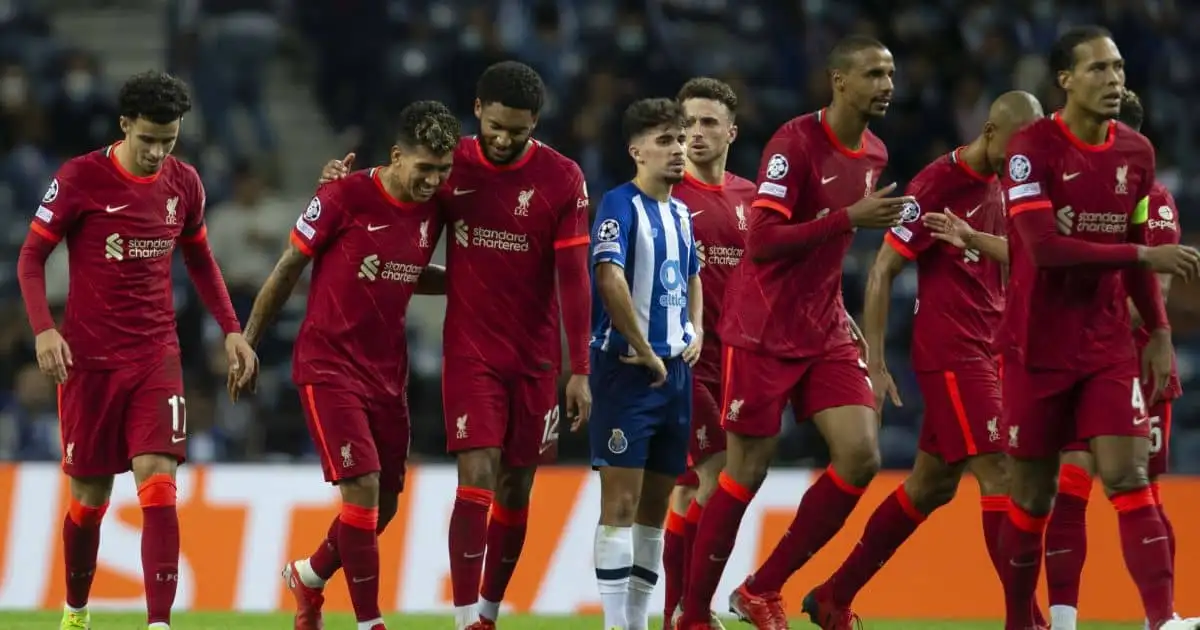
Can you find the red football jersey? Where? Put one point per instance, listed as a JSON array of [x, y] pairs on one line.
[[506, 223], [1162, 228], [719, 222], [368, 250], [121, 230], [1074, 317], [960, 293], [792, 307]]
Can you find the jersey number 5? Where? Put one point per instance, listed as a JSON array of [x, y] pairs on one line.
[[178, 418]]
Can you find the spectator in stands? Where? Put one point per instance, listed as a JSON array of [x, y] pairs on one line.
[[83, 112]]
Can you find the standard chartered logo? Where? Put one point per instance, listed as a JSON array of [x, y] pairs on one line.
[[369, 269], [372, 269], [114, 247], [466, 236], [1069, 221], [119, 248]]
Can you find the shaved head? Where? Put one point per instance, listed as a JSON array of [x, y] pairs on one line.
[[1009, 113]]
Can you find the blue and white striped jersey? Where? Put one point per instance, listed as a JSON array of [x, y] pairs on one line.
[[653, 242]]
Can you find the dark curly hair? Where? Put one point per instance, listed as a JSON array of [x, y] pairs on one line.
[[648, 113], [1132, 112], [428, 124], [512, 84], [1062, 54], [156, 96], [711, 89]]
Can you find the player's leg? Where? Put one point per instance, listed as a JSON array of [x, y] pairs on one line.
[[1066, 535], [674, 558], [1160, 455], [475, 403], [754, 390]]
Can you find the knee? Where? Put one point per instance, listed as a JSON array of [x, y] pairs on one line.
[[91, 492], [747, 465], [479, 468], [1033, 484], [146, 466], [619, 507], [389, 503], [858, 464], [1126, 477], [928, 494], [991, 474], [362, 490], [514, 487]]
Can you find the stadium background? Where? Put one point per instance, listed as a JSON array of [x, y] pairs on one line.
[[282, 86]]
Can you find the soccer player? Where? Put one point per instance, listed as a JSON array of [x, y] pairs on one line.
[[371, 235], [517, 258], [718, 201], [960, 300], [1077, 189], [647, 334], [786, 335], [122, 209]]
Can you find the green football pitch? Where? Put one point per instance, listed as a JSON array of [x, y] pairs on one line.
[[225, 621]]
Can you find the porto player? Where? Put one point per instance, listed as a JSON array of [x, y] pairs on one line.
[[786, 335], [370, 236], [959, 304], [1077, 189], [718, 202], [647, 334], [122, 209]]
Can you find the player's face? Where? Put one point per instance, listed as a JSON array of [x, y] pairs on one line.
[[1098, 78], [659, 153], [867, 84], [710, 129], [149, 141], [504, 131], [420, 171]]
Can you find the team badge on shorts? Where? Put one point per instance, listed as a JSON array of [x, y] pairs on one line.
[[618, 443]]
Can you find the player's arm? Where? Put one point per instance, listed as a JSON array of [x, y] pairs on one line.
[[783, 179], [432, 280], [611, 245], [1142, 283], [948, 227], [276, 290], [202, 266], [1162, 228], [695, 324], [889, 262], [55, 216], [571, 265]]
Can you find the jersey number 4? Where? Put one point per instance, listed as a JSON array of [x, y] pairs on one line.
[[178, 418], [1139, 408]]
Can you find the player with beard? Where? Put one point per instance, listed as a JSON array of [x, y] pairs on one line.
[[517, 258], [961, 298], [786, 335], [1077, 188]]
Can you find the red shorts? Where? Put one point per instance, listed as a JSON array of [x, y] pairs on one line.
[[108, 417], [756, 388], [357, 436], [517, 413], [1160, 439], [1045, 411], [962, 411], [708, 438]]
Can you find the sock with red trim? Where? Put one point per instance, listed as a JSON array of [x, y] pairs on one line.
[[822, 512], [1021, 547], [160, 546], [81, 544], [316, 570], [468, 543], [505, 539], [358, 546], [892, 523], [691, 521], [1145, 544], [1066, 543], [673, 563], [715, 535], [1162, 515], [993, 512]]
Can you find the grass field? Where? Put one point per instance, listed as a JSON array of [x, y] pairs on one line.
[[225, 621]]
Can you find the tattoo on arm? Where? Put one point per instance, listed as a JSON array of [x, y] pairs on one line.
[[275, 292]]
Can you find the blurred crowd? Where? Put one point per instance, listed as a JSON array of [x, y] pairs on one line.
[[359, 61]]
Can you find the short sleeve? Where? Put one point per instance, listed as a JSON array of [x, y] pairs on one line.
[[610, 233], [1025, 180], [193, 227], [60, 205], [321, 222], [694, 252], [1163, 222], [911, 237], [782, 175], [573, 215]]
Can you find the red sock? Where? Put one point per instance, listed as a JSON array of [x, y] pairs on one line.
[[691, 522], [994, 511], [1162, 514], [81, 543], [358, 546], [822, 512], [890, 525], [1145, 545], [325, 561], [1021, 545], [715, 535], [673, 563], [468, 542], [505, 539], [1066, 536], [160, 546]]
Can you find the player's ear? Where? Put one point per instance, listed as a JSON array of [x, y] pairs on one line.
[[635, 153], [395, 154], [125, 125], [1064, 79], [478, 109], [733, 131], [989, 130]]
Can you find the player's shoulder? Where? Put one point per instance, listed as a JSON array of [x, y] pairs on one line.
[[1043, 132], [873, 146], [86, 163], [352, 186], [619, 197], [1131, 141], [737, 184], [944, 166], [467, 150], [800, 129]]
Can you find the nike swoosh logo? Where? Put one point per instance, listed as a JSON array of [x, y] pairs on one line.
[[115, 208], [460, 191], [1023, 564], [361, 580], [1069, 176], [826, 180], [1140, 421], [1057, 552], [470, 556], [375, 228], [544, 448], [1147, 541], [714, 558], [696, 214], [176, 440], [974, 210], [512, 560]]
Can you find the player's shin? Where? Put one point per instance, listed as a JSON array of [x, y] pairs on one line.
[[1162, 515], [1145, 545], [892, 523], [612, 553], [647, 534], [1066, 545], [316, 570], [1021, 544], [358, 547], [160, 546], [81, 543], [673, 563], [505, 540], [467, 545], [715, 536]]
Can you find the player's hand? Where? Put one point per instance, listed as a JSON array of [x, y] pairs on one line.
[[243, 365], [883, 385], [877, 210], [53, 355], [336, 169], [1156, 363], [947, 227], [691, 353], [652, 362], [579, 401], [1177, 260]]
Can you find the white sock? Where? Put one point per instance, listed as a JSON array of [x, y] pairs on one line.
[[647, 564], [464, 616], [78, 611], [1063, 617], [489, 609], [308, 577], [367, 625], [158, 625], [612, 554]]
